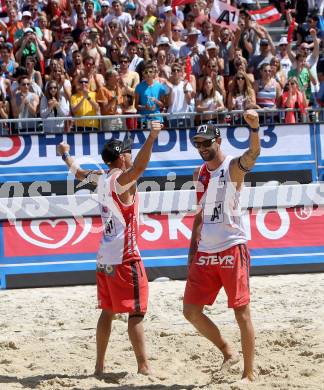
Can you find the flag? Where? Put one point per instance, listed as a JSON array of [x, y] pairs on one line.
[[188, 68], [291, 31], [224, 14], [265, 15], [176, 3]]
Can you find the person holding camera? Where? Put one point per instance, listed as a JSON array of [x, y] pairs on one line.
[[30, 47], [83, 103], [53, 105]]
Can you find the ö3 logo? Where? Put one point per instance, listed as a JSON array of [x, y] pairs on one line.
[[14, 149], [53, 233]]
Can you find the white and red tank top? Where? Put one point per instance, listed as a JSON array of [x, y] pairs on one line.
[[120, 223], [222, 225]]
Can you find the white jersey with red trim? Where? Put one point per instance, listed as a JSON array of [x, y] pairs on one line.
[[120, 223], [222, 225]]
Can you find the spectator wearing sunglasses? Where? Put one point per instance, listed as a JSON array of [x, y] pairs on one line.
[[26, 104], [241, 94], [83, 103], [53, 105], [292, 97], [181, 94], [175, 37], [149, 95], [267, 89]]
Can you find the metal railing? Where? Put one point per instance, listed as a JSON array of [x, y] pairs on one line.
[[182, 120]]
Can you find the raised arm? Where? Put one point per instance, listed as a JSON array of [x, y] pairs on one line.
[[243, 164], [142, 158], [91, 176]]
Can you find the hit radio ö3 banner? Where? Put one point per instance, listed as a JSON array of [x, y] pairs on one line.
[[31, 158], [290, 237]]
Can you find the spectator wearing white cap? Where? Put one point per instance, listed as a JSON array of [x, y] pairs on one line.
[[193, 49], [283, 55], [211, 53], [26, 23]]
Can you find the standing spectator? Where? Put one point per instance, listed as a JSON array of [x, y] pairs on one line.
[[163, 69], [96, 80], [180, 97], [303, 75], [206, 32], [226, 51], [193, 49], [267, 89], [113, 54], [4, 112], [47, 35], [111, 101], [83, 103], [30, 46], [26, 103], [89, 10], [264, 57], [128, 80], [13, 25], [7, 62], [53, 105], [241, 95], [123, 18], [293, 98], [149, 95], [135, 60], [211, 69], [249, 37], [34, 75], [277, 72], [209, 100], [61, 77], [283, 55]]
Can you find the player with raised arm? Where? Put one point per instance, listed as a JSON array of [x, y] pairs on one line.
[[218, 256], [122, 285]]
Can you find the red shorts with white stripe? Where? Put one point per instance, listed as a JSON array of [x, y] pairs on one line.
[[209, 272], [122, 288]]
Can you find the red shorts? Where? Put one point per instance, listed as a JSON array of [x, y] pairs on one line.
[[209, 272], [122, 288]]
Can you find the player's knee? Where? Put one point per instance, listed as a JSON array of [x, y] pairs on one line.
[[242, 314], [191, 312]]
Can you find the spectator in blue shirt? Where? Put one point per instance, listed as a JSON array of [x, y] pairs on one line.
[[149, 96]]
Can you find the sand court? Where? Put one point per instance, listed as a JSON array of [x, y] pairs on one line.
[[47, 339]]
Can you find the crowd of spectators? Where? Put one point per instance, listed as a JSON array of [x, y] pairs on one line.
[[77, 58]]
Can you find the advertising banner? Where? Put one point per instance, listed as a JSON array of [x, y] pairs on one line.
[[31, 158], [276, 237]]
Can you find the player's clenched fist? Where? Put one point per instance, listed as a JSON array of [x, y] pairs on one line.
[[62, 148], [156, 127], [252, 118]]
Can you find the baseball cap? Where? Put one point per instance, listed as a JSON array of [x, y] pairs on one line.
[[194, 31], [130, 6], [104, 4], [264, 42], [28, 30], [208, 131], [26, 13], [167, 8], [210, 45], [163, 41], [114, 148], [283, 40]]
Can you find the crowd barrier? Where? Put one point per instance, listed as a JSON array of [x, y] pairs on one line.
[[182, 120]]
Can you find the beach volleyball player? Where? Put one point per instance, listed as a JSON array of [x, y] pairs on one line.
[[122, 284], [218, 256]]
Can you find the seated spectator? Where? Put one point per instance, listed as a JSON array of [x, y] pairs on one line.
[[277, 72], [267, 89], [241, 94], [181, 94], [111, 100], [293, 98], [209, 100], [53, 105], [83, 103], [149, 96], [26, 104]]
